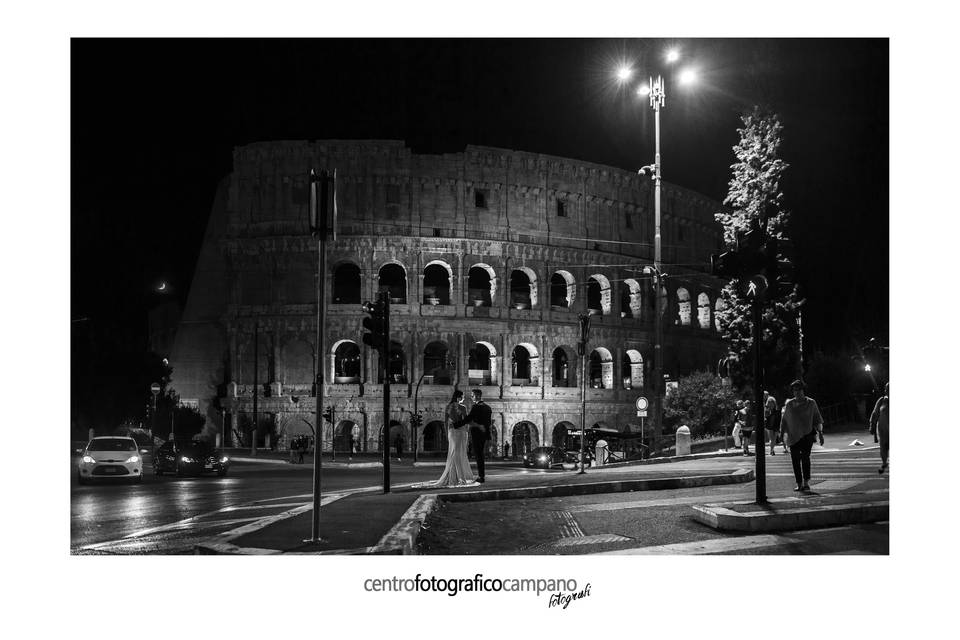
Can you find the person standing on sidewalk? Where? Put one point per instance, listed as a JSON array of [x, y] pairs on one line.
[[479, 423], [880, 426], [770, 421], [747, 421], [800, 425]]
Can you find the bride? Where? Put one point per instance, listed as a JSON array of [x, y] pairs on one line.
[[457, 472]]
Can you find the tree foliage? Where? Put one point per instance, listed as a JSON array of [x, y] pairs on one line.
[[701, 401], [755, 200]]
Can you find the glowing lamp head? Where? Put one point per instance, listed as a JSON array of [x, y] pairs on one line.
[[643, 90], [624, 73], [867, 368], [673, 55], [688, 76]]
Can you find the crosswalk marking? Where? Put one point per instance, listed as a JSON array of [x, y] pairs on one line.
[[602, 538]]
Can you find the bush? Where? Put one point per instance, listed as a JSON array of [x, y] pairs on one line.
[[702, 402]]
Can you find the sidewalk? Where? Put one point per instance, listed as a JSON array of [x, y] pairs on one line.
[[368, 521]]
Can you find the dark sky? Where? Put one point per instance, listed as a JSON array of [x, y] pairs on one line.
[[154, 122]]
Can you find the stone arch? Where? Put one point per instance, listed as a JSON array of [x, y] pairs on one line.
[[600, 370], [632, 369], [598, 295], [523, 288], [684, 307], [434, 437], [525, 365], [345, 436], [524, 438], [631, 302], [482, 364], [563, 290], [397, 364], [703, 310], [346, 283], [718, 308], [436, 363], [346, 362], [481, 285], [437, 283], [392, 277], [561, 434], [564, 367]]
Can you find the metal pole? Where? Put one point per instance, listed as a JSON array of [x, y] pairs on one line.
[[760, 448], [656, 100], [318, 435], [386, 391], [582, 348], [256, 385], [413, 429]]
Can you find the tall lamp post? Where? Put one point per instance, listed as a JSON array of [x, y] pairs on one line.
[[656, 91], [582, 351]]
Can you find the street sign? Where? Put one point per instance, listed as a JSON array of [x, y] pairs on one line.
[[642, 414], [642, 404], [155, 388]]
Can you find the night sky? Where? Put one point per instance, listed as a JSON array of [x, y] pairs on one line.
[[154, 122]]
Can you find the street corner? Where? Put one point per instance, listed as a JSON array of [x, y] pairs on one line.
[[792, 513]]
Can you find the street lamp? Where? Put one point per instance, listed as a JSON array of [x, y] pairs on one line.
[[656, 91]]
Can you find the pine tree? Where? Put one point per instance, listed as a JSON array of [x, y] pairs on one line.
[[754, 198]]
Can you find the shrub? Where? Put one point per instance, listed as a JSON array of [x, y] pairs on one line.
[[702, 402]]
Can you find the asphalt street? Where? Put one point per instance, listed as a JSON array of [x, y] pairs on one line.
[[169, 514]]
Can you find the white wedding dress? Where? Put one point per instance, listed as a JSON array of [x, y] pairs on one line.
[[457, 472]]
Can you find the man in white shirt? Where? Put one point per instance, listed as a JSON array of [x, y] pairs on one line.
[[800, 425]]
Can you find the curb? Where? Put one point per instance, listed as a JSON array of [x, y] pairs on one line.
[[339, 465], [402, 538], [718, 516], [587, 488]]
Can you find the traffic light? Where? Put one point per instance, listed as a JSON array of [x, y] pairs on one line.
[[376, 324], [779, 267], [323, 204], [328, 414], [416, 419]]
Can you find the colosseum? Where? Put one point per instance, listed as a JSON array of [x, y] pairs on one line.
[[488, 255]]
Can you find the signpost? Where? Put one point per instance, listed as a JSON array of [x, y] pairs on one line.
[[155, 390], [642, 405]]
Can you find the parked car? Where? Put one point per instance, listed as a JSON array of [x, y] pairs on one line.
[[110, 457], [190, 458], [545, 457]]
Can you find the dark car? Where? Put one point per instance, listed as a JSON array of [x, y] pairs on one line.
[[190, 458], [545, 457]]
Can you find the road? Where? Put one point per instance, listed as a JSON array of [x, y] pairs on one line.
[[167, 515], [661, 522]]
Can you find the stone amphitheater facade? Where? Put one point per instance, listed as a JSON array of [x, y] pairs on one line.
[[489, 255]]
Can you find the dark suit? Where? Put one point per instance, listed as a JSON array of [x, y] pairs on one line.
[[480, 414]]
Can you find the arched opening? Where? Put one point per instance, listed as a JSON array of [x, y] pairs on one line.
[[632, 369], [598, 295], [346, 438], [346, 363], [436, 364], [346, 284], [481, 285], [393, 278], [396, 364], [525, 366], [481, 364], [718, 308], [524, 438], [601, 369], [436, 284], [684, 307], [564, 367], [434, 437], [703, 310], [563, 290], [523, 288], [631, 299], [562, 437]]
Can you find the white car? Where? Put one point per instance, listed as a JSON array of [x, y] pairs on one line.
[[110, 457]]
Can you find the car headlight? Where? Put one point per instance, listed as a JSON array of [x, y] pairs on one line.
[[224, 459], [543, 458], [185, 459], [88, 460], [133, 459]]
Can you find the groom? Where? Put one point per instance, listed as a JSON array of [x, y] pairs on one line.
[[479, 421]]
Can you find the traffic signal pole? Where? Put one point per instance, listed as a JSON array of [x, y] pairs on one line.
[[759, 448], [385, 360]]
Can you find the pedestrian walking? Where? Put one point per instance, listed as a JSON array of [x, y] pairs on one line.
[[747, 423], [737, 425], [771, 420], [800, 425], [506, 449], [880, 427]]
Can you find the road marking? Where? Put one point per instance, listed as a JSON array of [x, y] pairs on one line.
[[568, 525], [700, 547], [602, 538]]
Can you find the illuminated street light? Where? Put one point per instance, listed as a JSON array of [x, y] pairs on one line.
[[673, 55], [624, 73], [867, 368], [688, 76], [643, 90]]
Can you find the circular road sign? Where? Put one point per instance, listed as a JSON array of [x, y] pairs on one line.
[[641, 404], [155, 388]]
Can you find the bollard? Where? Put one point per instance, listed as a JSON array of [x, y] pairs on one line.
[[683, 441], [601, 453]]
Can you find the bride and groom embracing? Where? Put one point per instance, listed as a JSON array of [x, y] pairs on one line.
[[459, 423]]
